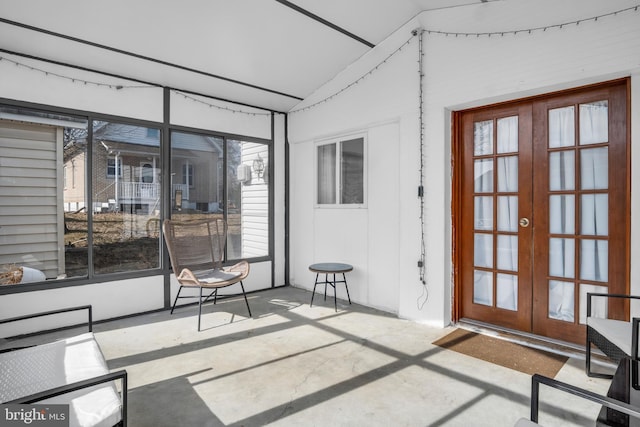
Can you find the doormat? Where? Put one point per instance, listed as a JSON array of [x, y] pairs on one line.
[[504, 353]]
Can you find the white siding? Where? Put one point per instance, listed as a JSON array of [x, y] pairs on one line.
[[255, 205], [29, 226]]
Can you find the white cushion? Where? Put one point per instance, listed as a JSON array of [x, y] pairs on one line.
[[34, 369], [618, 332], [216, 276]]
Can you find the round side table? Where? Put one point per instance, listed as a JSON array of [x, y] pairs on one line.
[[330, 268]]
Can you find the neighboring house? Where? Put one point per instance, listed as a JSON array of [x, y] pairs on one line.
[[127, 171]]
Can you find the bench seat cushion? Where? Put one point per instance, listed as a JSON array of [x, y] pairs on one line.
[[34, 369], [618, 332]]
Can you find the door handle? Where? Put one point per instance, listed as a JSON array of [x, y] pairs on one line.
[[524, 222]]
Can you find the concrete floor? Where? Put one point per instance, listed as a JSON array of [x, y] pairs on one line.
[[295, 365]]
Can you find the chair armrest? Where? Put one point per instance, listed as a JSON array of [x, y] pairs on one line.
[[590, 294], [51, 312], [186, 275], [609, 402], [79, 385]]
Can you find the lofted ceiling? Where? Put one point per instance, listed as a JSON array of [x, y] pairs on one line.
[[265, 53]]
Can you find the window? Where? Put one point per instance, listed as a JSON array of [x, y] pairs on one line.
[[97, 188], [39, 231], [340, 172], [187, 174], [111, 167], [248, 201], [198, 188], [126, 208]]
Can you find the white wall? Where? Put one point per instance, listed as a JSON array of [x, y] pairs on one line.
[[130, 296], [383, 106], [459, 72]]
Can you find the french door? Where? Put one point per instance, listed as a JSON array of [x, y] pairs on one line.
[[543, 215]]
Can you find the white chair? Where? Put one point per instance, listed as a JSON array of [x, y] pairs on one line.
[[537, 379], [615, 338]]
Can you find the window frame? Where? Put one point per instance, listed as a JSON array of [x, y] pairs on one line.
[[112, 159], [338, 141], [165, 130], [188, 174]]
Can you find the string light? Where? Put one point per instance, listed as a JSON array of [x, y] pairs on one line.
[[534, 29], [422, 263], [361, 78], [72, 79], [219, 107], [462, 34], [119, 86]]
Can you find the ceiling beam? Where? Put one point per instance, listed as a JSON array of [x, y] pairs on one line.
[[325, 22], [143, 57]]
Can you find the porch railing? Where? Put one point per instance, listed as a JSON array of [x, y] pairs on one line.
[[140, 191]]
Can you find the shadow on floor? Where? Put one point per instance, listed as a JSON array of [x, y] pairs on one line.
[[296, 365]]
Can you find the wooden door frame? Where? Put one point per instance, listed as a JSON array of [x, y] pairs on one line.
[[456, 184]]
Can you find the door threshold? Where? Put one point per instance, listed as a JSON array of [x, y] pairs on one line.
[[540, 342]]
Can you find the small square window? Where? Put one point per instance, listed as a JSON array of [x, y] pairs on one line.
[[340, 172]]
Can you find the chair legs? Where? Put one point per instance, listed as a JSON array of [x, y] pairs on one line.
[[245, 299], [588, 365], [213, 293], [610, 350], [199, 309], [176, 300], [333, 285]]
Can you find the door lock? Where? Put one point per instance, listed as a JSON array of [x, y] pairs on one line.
[[524, 222]]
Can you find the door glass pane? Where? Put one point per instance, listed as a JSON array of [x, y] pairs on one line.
[[562, 212], [594, 260], [483, 173], [507, 291], [561, 300], [483, 138], [561, 127], [508, 213], [507, 252], [483, 250], [594, 168], [483, 212], [594, 123], [598, 305], [562, 257], [562, 175], [508, 174], [594, 214], [483, 287], [508, 135]]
